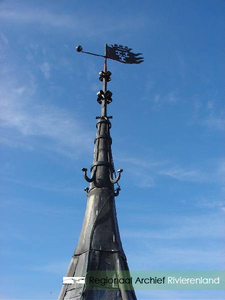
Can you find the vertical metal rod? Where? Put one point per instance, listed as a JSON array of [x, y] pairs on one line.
[[104, 102]]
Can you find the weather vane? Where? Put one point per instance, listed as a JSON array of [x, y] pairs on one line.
[[116, 52]]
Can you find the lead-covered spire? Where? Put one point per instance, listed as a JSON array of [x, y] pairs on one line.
[[99, 247]]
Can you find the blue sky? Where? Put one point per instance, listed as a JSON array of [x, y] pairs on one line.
[[168, 136]]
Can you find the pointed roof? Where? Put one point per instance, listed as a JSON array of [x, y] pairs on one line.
[[99, 247]]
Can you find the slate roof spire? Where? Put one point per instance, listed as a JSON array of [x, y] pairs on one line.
[[99, 247]]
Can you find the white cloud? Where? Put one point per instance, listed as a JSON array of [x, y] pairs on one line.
[[172, 97], [159, 100], [210, 105], [55, 268], [212, 204], [210, 226], [4, 39], [7, 142], [142, 178], [149, 85], [43, 17], [140, 170], [182, 174], [62, 188], [45, 68], [79, 23], [177, 257], [20, 112], [191, 256], [181, 242], [40, 208], [214, 122], [145, 171], [207, 114]]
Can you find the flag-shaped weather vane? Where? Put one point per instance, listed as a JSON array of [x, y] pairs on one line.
[[120, 53], [123, 54]]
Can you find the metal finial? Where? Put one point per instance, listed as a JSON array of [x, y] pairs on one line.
[[79, 48]]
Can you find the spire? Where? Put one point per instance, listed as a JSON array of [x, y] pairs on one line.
[[99, 247], [102, 170]]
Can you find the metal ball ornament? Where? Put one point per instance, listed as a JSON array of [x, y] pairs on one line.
[[79, 48]]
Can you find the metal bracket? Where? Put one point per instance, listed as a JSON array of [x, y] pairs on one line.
[[86, 177], [117, 191], [86, 190], [117, 178]]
